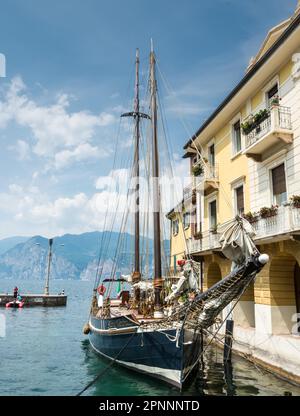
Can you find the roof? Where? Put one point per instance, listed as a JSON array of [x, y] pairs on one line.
[[294, 24]]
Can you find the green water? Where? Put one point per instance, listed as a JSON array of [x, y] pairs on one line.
[[45, 353]]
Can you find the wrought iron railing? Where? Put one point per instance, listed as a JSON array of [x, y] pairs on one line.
[[277, 117], [210, 173]]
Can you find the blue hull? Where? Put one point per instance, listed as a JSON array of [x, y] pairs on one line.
[[155, 353]]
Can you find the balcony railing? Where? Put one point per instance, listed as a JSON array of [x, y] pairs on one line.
[[286, 221], [188, 192], [209, 177], [275, 127], [209, 241]]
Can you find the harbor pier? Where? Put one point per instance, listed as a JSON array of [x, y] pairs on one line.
[[36, 300]]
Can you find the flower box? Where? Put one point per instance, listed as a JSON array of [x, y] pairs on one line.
[[254, 121], [267, 212]]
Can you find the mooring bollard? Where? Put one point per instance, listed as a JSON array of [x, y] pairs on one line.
[[228, 340]]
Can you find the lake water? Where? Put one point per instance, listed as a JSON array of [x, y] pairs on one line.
[[45, 352]]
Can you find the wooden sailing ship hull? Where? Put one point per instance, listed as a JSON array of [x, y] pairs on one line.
[[157, 353]]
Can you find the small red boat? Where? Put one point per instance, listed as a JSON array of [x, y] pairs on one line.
[[15, 304]]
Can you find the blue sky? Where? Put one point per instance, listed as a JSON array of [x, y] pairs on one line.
[[69, 66]]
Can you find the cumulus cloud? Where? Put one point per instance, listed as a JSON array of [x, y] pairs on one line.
[[80, 153], [58, 133]]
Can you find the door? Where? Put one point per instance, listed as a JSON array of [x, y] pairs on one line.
[[297, 291]]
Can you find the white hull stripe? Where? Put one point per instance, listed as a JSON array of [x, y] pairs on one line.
[[173, 375]]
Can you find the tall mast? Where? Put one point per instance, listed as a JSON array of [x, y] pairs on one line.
[[49, 267], [156, 193], [137, 115], [137, 273]]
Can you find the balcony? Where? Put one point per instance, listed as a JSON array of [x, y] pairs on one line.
[[208, 242], [286, 222], [188, 192], [275, 128], [283, 226], [208, 180]]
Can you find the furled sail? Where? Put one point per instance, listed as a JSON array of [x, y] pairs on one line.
[[237, 241], [238, 246]]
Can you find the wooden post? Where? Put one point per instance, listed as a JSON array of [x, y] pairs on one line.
[[228, 340]]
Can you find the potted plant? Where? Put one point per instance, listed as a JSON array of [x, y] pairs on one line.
[[198, 170], [295, 201], [275, 101], [197, 235], [267, 212], [251, 217], [246, 127], [254, 121]]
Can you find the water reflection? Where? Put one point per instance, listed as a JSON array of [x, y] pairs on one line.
[[211, 378]]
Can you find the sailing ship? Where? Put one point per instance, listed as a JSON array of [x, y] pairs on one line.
[[151, 331]]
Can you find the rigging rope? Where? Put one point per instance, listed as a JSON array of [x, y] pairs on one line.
[[190, 134]]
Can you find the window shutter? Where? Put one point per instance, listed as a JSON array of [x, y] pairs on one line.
[[240, 199], [278, 180], [213, 213]]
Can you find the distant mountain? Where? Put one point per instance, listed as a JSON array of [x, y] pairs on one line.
[[74, 256], [10, 242]]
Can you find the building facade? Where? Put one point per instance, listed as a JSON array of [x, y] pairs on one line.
[[245, 159]]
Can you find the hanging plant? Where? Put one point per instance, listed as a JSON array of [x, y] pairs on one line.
[[267, 212], [295, 201], [198, 170]]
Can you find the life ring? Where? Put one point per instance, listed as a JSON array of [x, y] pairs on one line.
[[101, 290]]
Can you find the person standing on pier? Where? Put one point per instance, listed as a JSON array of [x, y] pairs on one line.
[[16, 290]]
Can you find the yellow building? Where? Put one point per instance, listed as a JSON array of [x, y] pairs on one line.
[[245, 159]]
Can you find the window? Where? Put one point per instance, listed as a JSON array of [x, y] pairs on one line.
[[271, 94], [186, 220], [195, 159], [175, 225], [279, 185], [237, 138], [175, 263], [213, 215], [239, 200], [211, 155]]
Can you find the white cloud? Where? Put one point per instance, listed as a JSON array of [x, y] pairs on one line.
[[22, 150], [54, 128], [81, 153]]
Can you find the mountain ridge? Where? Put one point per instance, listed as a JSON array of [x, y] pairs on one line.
[[75, 256]]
